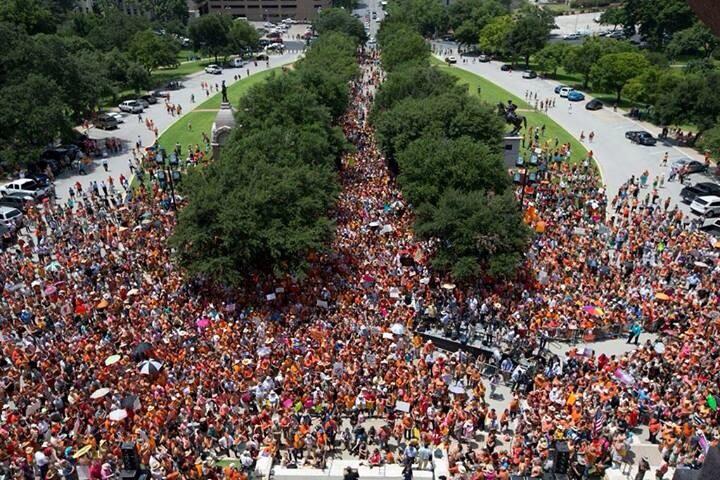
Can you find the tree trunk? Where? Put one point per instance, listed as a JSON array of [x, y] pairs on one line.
[[619, 91], [527, 60], [586, 79]]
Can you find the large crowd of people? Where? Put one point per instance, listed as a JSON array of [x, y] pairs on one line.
[[105, 341]]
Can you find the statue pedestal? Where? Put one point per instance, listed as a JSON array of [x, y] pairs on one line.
[[221, 129]]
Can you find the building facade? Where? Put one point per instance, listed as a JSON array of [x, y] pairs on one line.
[[265, 10]]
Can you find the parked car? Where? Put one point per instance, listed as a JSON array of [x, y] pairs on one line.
[[691, 166], [641, 137], [559, 87], [483, 58], [571, 36], [594, 104], [707, 206], [40, 178], [575, 96], [11, 217], [275, 47], [17, 200], [119, 117], [564, 91], [702, 189], [711, 226], [505, 67], [173, 85], [238, 62], [262, 57], [131, 106], [27, 186], [529, 74], [150, 98], [145, 104], [105, 121], [213, 69], [63, 155], [450, 60]]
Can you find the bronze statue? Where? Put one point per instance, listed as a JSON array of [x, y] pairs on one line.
[[224, 93], [511, 117]]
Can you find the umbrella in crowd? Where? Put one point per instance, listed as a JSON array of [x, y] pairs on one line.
[[117, 415], [130, 402], [150, 367], [141, 351], [593, 310], [112, 359], [99, 393]]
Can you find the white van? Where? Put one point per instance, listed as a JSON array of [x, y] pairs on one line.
[[708, 206], [238, 62]]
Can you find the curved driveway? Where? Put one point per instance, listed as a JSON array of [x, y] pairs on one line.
[[617, 157], [131, 129]]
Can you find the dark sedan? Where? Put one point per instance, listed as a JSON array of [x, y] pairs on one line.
[[594, 104], [702, 189], [506, 67], [641, 137]]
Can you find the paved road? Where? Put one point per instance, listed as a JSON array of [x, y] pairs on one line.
[[617, 157], [129, 131], [365, 9]]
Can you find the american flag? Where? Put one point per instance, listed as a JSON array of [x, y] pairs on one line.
[[599, 421]]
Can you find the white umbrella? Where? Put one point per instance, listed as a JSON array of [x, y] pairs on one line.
[[660, 347], [150, 367], [99, 393], [397, 328], [457, 389], [386, 229], [448, 286], [117, 415], [112, 359]]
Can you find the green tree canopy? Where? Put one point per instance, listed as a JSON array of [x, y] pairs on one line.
[[242, 37], [466, 165], [468, 17], [416, 81], [551, 57], [695, 40], [426, 17], [614, 16], [32, 114], [530, 32], [614, 70], [32, 16], [581, 58], [249, 215], [657, 20], [493, 37], [340, 21], [405, 46], [448, 115], [210, 33], [692, 100], [153, 51], [478, 232]]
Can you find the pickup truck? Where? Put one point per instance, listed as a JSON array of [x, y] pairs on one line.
[[29, 187]]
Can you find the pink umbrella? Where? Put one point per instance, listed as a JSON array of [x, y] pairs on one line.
[[203, 322], [287, 403], [50, 289]]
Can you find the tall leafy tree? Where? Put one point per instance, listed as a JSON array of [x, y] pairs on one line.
[[692, 100], [494, 37], [242, 37], [551, 57], [32, 15], [614, 70], [657, 20], [477, 232], [614, 16], [416, 81], [340, 21], [530, 32], [466, 165], [405, 46], [697, 39], [468, 17], [153, 51], [210, 33], [427, 17], [581, 58], [32, 114]]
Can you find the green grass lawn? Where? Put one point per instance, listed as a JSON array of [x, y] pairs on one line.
[[493, 94], [238, 89], [180, 133], [163, 75]]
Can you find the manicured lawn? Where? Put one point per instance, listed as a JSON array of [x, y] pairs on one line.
[[180, 133], [164, 75], [493, 94], [238, 89]]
